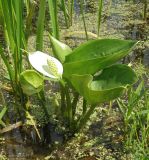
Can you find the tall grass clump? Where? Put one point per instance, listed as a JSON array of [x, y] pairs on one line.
[[13, 27], [135, 112]]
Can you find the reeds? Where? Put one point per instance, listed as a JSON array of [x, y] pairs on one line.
[[100, 4], [14, 37], [40, 25], [83, 19], [53, 6]]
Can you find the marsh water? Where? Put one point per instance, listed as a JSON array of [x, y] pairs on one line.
[[120, 19]]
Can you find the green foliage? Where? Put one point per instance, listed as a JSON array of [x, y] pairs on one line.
[[60, 49], [80, 66], [31, 82], [13, 28], [135, 112], [2, 113], [54, 17], [96, 55], [109, 85], [40, 25]]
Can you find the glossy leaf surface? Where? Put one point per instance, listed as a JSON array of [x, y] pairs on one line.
[[96, 55], [109, 85]]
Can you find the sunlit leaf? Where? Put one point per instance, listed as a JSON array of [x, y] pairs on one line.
[[60, 49], [109, 85], [96, 55]]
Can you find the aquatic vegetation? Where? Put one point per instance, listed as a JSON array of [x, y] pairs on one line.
[[80, 68], [54, 17], [52, 88], [135, 111], [2, 113], [15, 39]]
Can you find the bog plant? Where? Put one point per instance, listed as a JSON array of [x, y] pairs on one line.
[[90, 71]]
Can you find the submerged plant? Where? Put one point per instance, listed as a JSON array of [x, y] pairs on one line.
[[77, 72]]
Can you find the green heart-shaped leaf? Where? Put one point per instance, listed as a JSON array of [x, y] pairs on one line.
[[109, 85], [31, 82], [95, 55], [60, 49]]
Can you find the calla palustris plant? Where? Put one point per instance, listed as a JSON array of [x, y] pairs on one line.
[[80, 68], [31, 81]]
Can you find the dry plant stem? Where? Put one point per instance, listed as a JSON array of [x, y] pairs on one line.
[[3, 112], [11, 127], [75, 33]]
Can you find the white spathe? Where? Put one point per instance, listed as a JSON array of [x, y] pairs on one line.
[[40, 61]]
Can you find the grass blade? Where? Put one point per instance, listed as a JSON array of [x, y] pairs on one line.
[[40, 25], [65, 12], [70, 8], [100, 3], [54, 18], [83, 18]]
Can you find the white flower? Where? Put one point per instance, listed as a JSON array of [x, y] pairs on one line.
[[47, 65]]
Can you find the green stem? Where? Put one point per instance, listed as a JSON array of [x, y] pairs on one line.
[[40, 96], [54, 17], [83, 18], [69, 106], [145, 10], [70, 8], [99, 15], [63, 105], [40, 25], [85, 118], [74, 103], [84, 106], [9, 68], [65, 13]]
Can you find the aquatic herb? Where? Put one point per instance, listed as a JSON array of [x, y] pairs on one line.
[[80, 66]]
